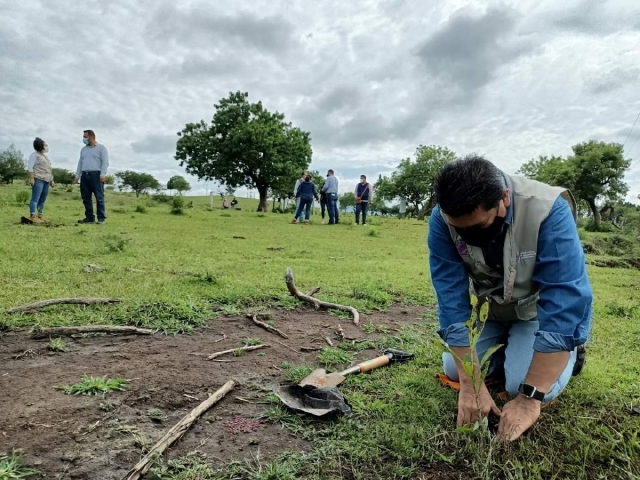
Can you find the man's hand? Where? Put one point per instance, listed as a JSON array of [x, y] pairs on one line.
[[52, 183], [102, 179], [32, 181], [468, 407], [76, 180], [517, 417]]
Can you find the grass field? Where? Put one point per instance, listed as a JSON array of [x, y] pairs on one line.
[[168, 269]]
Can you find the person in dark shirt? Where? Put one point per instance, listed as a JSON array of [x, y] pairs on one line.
[[306, 193]]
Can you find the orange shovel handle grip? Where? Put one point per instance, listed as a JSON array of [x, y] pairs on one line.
[[374, 363]]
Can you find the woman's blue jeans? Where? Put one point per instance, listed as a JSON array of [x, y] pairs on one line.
[[39, 193]]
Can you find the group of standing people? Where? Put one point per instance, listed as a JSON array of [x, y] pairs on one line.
[[90, 173], [305, 192]]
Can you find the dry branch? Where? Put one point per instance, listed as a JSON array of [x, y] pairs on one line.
[[285, 345], [340, 332], [313, 292], [329, 342], [293, 290], [40, 332], [177, 431], [267, 327], [61, 301], [246, 349], [310, 349]]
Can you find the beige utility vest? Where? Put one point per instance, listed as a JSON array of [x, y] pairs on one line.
[[511, 293], [42, 168]]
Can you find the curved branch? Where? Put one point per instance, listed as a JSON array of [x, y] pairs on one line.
[[60, 301], [293, 290]]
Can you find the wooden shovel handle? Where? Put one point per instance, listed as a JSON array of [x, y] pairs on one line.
[[374, 363]]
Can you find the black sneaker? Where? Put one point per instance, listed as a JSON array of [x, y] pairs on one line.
[[86, 220], [581, 360], [101, 222]]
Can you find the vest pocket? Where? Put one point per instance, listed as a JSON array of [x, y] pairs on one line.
[[527, 307]]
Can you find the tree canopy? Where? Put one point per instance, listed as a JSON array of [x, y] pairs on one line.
[[414, 179], [63, 176], [179, 184], [137, 181], [244, 145], [595, 172], [12, 165]]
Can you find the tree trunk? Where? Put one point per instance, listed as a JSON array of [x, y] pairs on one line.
[[595, 212], [264, 201]]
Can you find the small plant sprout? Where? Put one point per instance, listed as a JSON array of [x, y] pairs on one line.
[[251, 342], [334, 356], [155, 414], [238, 352], [56, 345], [477, 369], [95, 386]]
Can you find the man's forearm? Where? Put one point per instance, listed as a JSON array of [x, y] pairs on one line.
[[546, 368]]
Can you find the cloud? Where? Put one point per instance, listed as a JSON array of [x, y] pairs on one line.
[[97, 120], [201, 25], [611, 80], [156, 144], [468, 50]]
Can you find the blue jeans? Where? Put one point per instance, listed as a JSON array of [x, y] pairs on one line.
[[332, 207], [304, 203], [323, 206], [39, 193], [90, 184], [515, 359], [361, 207]]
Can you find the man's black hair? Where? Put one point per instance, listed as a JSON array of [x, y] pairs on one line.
[[468, 183], [38, 144], [91, 133], [363, 176], [331, 171]]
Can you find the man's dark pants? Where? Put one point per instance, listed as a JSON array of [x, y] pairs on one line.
[[90, 184], [332, 206], [361, 207]]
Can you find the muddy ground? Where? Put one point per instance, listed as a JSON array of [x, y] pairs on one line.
[[67, 436]]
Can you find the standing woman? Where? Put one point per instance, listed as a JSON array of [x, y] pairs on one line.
[[40, 178]]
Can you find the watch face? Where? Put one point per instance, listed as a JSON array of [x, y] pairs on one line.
[[527, 390]]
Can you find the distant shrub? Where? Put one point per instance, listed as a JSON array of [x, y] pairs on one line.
[[190, 204], [22, 197], [69, 189], [162, 198], [604, 227], [177, 205], [151, 203], [141, 209]]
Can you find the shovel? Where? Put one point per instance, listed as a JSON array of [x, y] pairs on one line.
[[319, 378]]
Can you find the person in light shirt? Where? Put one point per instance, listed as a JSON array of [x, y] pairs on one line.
[[91, 173], [40, 179]]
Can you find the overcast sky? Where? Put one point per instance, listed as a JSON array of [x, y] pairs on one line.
[[371, 80]]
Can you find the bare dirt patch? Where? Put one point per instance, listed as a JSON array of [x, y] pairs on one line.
[[79, 437]]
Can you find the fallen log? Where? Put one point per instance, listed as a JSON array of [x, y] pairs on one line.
[[245, 349], [267, 327], [293, 290], [40, 332], [177, 431], [62, 301]]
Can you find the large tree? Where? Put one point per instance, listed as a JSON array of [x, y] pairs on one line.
[[244, 145], [594, 173], [179, 184], [63, 176], [12, 165], [414, 180], [137, 181]]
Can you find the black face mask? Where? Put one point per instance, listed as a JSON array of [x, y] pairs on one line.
[[481, 237]]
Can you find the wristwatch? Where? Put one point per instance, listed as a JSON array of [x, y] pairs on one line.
[[531, 392]]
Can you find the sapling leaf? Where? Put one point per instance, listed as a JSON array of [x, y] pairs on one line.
[[490, 351]]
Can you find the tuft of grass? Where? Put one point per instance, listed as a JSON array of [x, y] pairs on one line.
[[95, 386], [168, 318], [295, 374], [250, 342], [334, 356], [115, 243], [238, 352], [371, 328], [11, 467], [141, 209], [107, 406], [56, 345], [22, 197], [155, 414]]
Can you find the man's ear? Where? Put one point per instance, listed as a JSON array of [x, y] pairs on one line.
[[507, 198]]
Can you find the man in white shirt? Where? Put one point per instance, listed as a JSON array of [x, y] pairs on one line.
[[91, 173]]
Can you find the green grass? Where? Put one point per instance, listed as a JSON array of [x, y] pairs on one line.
[[95, 386], [403, 421], [11, 468], [56, 345], [251, 342], [295, 374]]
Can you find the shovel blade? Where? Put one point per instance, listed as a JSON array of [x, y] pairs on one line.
[[319, 378]]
